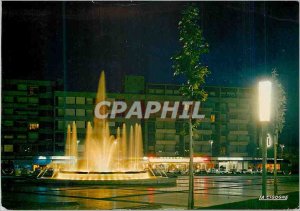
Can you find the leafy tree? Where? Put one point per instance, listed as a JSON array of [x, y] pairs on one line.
[[279, 109], [187, 63], [279, 103]]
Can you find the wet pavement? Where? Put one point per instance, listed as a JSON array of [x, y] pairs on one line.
[[209, 191]]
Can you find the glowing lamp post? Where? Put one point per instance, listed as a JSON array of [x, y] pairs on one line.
[[211, 143], [264, 102], [264, 93]]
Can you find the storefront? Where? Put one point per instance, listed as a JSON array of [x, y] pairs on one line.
[[257, 164], [171, 164], [229, 163]]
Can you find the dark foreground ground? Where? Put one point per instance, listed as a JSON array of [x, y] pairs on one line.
[[291, 203], [211, 192]]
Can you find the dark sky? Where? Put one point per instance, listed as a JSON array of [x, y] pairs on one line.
[[74, 41]]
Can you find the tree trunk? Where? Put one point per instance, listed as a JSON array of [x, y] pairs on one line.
[[275, 162], [191, 171]]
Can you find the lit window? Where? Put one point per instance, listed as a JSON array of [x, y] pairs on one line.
[[60, 112], [22, 99], [70, 100], [34, 126], [80, 124], [21, 136], [212, 118], [70, 112], [89, 101], [8, 137], [80, 112], [89, 113], [8, 148], [60, 100], [212, 93], [33, 90], [80, 100], [22, 87], [8, 123]]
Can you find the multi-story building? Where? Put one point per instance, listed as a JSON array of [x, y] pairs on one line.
[[228, 128], [35, 116], [27, 118]]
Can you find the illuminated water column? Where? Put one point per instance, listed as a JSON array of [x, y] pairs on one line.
[[73, 146], [140, 147], [68, 145], [136, 146], [118, 140], [124, 148], [131, 148], [88, 147], [74, 139], [68, 142], [99, 124]]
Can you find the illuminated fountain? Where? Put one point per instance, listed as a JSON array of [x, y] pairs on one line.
[[105, 156], [106, 159]]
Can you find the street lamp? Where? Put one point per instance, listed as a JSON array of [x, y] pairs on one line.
[[211, 143], [269, 140], [264, 89], [264, 107], [281, 146]]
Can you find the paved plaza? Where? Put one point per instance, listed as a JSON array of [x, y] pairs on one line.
[[209, 191]]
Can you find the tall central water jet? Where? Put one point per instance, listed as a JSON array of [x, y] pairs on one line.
[[104, 152]]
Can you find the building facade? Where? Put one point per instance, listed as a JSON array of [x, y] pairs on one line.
[[27, 118], [35, 115]]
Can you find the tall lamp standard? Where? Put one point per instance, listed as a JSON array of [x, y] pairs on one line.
[[282, 147], [211, 143], [264, 102]]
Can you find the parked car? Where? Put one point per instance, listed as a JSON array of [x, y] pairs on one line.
[[234, 171], [257, 171], [201, 172], [26, 172], [8, 171], [221, 171], [212, 171], [184, 173], [246, 171], [171, 174], [7, 167]]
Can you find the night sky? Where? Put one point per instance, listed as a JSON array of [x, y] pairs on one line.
[[74, 41]]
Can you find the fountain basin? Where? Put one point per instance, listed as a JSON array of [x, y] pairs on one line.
[[106, 178], [84, 175]]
